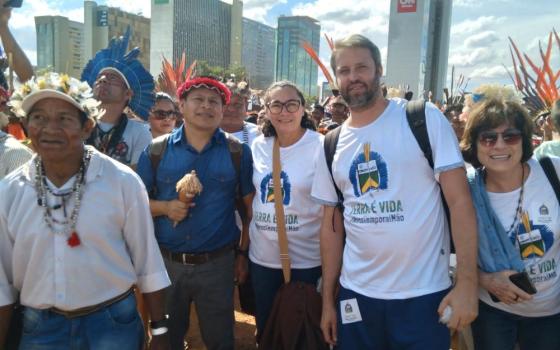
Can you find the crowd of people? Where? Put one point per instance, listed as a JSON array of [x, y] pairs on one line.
[[99, 249]]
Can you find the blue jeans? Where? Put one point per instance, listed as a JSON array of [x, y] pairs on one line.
[[115, 327], [497, 329], [266, 282], [411, 324]]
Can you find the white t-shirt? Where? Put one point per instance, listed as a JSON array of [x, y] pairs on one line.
[[248, 134], [397, 241], [540, 247], [303, 215], [135, 139]]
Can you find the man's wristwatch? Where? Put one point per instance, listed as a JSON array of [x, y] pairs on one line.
[[159, 327], [243, 252]]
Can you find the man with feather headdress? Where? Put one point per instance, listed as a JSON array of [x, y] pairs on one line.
[[119, 81]]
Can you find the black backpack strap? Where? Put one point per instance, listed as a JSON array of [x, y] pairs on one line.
[[551, 175], [235, 148], [416, 117], [156, 149], [331, 140]]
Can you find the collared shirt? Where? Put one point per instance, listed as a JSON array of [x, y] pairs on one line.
[[117, 249], [210, 224], [12, 154]]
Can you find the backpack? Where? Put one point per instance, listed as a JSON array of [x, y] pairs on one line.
[[416, 117], [157, 148], [551, 175]]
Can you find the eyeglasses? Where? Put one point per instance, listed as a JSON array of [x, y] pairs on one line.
[[160, 114], [510, 136], [277, 107]]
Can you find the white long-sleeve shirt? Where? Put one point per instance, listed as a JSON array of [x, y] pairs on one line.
[[118, 246]]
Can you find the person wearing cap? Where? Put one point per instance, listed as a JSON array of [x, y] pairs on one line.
[[119, 81], [198, 241], [236, 112], [75, 232]]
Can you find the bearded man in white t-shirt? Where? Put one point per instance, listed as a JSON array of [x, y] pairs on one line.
[[392, 263]]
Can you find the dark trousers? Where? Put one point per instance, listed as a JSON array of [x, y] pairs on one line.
[[266, 282], [497, 329], [397, 324], [210, 287]]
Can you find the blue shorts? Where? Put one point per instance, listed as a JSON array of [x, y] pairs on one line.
[[411, 324]]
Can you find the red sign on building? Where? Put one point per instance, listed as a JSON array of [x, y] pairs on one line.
[[406, 6]]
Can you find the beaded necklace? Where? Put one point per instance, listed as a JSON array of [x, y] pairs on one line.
[[42, 188], [245, 134]]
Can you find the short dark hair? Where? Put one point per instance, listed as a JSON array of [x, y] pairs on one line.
[[356, 41], [491, 114], [306, 122]]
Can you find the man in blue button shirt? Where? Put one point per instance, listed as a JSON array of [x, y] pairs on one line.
[[199, 250]]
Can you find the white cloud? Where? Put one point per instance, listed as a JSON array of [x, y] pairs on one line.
[[483, 39], [493, 72], [133, 6], [470, 26], [481, 55]]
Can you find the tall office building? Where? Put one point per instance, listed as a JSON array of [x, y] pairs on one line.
[[207, 30], [60, 44], [101, 23], [259, 47], [419, 45], [292, 62]]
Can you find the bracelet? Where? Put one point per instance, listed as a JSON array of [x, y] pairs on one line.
[[158, 331], [161, 323], [242, 252]]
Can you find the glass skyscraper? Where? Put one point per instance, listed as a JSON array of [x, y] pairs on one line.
[[292, 62]]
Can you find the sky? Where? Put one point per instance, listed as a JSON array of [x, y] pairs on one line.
[[479, 47]]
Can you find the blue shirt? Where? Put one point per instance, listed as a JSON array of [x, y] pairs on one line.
[[210, 224]]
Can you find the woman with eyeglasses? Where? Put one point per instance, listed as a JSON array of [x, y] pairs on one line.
[[163, 115], [287, 122], [519, 230]]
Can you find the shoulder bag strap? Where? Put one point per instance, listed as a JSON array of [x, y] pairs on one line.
[[279, 210], [551, 175]]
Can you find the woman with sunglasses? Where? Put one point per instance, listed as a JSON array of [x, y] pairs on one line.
[[163, 115], [287, 122], [519, 230]]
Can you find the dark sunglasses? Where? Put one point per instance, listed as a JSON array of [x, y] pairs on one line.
[[510, 136], [162, 115]]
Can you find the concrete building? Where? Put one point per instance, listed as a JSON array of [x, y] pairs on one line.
[[292, 62], [419, 45], [207, 30], [259, 48], [101, 23], [60, 44]]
